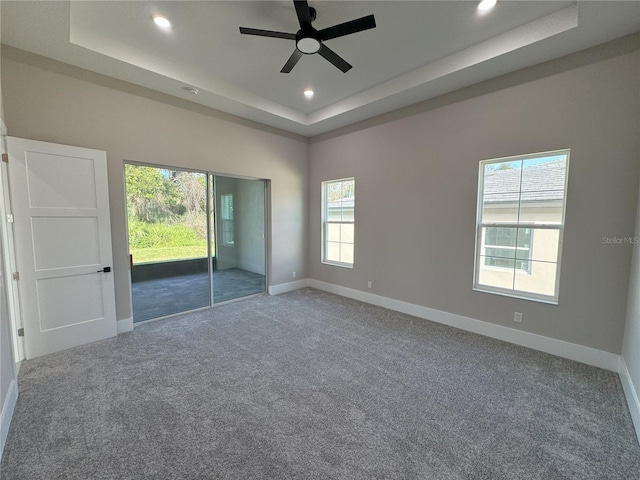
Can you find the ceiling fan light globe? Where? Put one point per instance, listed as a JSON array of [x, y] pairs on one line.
[[308, 45]]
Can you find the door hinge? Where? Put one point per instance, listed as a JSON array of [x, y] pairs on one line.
[[16, 275], [5, 157], [10, 217], [21, 332]]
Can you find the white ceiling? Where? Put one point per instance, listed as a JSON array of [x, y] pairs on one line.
[[419, 49]]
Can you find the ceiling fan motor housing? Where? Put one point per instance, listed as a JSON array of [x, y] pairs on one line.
[[308, 41]]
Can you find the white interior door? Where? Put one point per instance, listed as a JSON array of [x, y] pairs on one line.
[[62, 230]]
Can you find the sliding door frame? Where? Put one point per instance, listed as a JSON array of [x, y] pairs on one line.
[[211, 204]]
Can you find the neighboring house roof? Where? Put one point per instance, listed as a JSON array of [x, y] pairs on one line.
[[345, 203], [540, 182]]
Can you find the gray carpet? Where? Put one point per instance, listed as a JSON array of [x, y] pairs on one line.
[[309, 385], [170, 295]]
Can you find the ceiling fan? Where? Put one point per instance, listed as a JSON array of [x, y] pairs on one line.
[[310, 41]]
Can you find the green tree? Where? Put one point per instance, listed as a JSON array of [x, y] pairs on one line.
[[151, 195]]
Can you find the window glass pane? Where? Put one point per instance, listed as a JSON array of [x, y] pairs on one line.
[[541, 280], [334, 191], [496, 272], [500, 209], [524, 247], [348, 210], [333, 232], [500, 236], [501, 192], [348, 188], [542, 207], [544, 245], [543, 184], [502, 177], [334, 211], [544, 174], [346, 253], [508, 253], [333, 252], [347, 233]]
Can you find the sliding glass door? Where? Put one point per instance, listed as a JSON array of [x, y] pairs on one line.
[[168, 247], [194, 239], [239, 232]]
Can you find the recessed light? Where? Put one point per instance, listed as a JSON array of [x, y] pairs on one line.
[[162, 22], [309, 93], [485, 5]]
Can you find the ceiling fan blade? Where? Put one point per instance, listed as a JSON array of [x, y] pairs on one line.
[[293, 59], [334, 58], [347, 28], [267, 33], [303, 12]]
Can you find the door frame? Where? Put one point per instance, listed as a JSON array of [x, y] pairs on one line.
[[9, 257]]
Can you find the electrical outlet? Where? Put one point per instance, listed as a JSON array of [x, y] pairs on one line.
[[369, 284], [517, 317], [293, 274]]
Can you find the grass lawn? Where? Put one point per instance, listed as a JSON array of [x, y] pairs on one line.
[[160, 254]]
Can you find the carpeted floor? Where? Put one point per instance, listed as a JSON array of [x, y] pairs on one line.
[[308, 385]]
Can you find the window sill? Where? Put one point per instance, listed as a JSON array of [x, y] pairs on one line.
[[338, 264], [518, 295]]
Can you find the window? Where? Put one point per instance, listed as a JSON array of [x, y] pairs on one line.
[[500, 244], [520, 222], [226, 213], [338, 203]]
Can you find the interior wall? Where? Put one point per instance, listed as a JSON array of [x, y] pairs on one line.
[[631, 343], [416, 173], [249, 217], [50, 101]]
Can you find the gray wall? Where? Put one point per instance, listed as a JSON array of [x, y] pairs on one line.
[[49, 101], [249, 210], [631, 344], [416, 174]]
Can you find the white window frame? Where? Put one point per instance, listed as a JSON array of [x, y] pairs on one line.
[[326, 223], [521, 294]]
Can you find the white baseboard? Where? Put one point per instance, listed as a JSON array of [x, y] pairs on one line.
[[560, 348], [125, 325], [631, 394], [7, 413], [288, 287]]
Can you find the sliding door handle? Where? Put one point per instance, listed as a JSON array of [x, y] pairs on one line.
[[104, 270]]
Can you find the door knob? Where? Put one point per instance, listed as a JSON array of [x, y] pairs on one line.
[[104, 270]]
